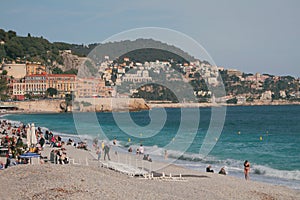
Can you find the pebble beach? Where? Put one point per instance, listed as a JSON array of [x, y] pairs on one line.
[[86, 177], [88, 180]]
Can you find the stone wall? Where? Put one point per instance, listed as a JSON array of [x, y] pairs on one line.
[[37, 106], [109, 104], [81, 105]]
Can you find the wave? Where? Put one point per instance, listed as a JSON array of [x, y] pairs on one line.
[[232, 166], [268, 171], [190, 160]]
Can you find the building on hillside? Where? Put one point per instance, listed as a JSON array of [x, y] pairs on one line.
[[139, 76], [17, 71], [257, 78], [88, 87], [35, 84], [63, 83], [38, 84], [32, 68], [235, 72]]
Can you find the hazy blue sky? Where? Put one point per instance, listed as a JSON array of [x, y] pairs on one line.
[[252, 36]]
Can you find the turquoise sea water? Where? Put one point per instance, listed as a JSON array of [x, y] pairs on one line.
[[267, 136]]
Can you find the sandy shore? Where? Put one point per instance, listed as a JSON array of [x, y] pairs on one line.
[[87, 180]]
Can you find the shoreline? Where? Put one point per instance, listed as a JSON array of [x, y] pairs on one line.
[[174, 166], [159, 105], [181, 164], [86, 179]]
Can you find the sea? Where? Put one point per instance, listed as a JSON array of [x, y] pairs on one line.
[[267, 136]]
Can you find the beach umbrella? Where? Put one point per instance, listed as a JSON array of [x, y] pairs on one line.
[[28, 135], [33, 136]]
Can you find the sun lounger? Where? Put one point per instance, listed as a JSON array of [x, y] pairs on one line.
[[124, 168]]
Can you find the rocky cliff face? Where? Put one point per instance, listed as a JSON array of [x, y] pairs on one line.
[[71, 61]]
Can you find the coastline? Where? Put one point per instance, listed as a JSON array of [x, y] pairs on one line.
[[86, 179], [39, 109]]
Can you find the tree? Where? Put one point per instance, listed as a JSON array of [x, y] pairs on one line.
[[11, 34], [4, 72], [27, 96], [3, 88], [69, 99], [51, 92], [57, 70], [2, 52]]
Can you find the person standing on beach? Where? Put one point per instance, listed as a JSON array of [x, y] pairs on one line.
[[246, 169], [141, 149], [106, 151], [98, 152], [102, 145]]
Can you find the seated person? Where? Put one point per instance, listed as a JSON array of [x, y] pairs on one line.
[[70, 141], [2, 165], [147, 157], [130, 149], [63, 159], [208, 169], [222, 171]]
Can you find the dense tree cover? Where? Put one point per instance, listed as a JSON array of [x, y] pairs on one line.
[[151, 55], [3, 88], [36, 49], [58, 70], [156, 92]]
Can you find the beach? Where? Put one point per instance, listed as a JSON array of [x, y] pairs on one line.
[[86, 179]]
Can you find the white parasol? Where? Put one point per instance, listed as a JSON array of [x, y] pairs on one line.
[[33, 136], [28, 135]]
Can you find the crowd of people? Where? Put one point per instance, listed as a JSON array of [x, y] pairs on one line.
[[14, 145]]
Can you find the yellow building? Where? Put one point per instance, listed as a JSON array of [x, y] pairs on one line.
[[63, 83], [38, 84], [35, 69]]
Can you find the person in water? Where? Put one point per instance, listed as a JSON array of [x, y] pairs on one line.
[[246, 169]]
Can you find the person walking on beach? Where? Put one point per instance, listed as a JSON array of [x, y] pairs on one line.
[[98, 152], [246, 169], [106, 151]]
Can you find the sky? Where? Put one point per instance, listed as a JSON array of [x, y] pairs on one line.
[[252, 36]]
